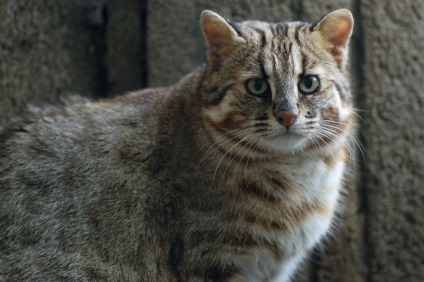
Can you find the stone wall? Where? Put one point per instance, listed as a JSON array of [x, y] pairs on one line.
[[100, 48]]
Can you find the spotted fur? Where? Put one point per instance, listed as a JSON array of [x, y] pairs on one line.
[[233, 174]]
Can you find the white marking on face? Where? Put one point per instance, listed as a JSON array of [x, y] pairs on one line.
[[344, 112], [296, 60], [286, 143], [218, 113], [272, 77]]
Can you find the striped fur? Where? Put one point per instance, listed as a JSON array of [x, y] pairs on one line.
[[284, 182], [233, 174]]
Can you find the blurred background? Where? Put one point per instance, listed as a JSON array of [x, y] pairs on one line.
[[101, 48]]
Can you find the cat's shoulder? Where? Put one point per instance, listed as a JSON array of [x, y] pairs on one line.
[[141, 97], [78, 122], [73, 106]]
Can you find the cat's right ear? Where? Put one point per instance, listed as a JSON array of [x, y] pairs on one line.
[[336, 28], [221, 38]]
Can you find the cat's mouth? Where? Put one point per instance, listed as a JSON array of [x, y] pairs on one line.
[[285, 141], [287, 133]]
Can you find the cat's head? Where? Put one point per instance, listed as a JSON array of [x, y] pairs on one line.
[[277, 87]]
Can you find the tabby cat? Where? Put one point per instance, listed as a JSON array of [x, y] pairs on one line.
[[232, 174]]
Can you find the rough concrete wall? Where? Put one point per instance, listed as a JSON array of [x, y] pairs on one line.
[[49, 48], [126, 50], [53, 48], [393, 96]]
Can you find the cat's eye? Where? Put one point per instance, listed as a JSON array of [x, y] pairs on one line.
[[258, 87], [309, 84]]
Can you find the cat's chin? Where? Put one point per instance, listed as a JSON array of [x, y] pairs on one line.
[[287, 142]]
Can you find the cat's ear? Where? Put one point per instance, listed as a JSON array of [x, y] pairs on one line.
[[335, 29], [221, 38]]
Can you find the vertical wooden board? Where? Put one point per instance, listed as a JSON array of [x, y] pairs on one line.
[[394, 137], [48, 49]]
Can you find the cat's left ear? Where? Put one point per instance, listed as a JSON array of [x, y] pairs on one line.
[[221, 38], [335, 29]]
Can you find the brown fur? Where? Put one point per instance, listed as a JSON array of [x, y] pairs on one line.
[[196, 182]]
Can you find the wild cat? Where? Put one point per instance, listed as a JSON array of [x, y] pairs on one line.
[[232, 174]]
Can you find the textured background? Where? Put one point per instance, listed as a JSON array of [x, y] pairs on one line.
[[100, 48]]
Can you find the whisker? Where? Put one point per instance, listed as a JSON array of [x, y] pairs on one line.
[[226, 134], [247, 162], [319, 137], [350, 136], [350, 149], [222, 178], [358, 116], [216, 141], [313, 138], [361, 110], [219, 163], [248, 149], [332, 134]]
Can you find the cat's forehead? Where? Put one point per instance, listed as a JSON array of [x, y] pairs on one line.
[[270, 29]]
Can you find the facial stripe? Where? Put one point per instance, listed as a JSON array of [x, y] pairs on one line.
[[262, 35], [301, 43], [220, 96], [275, 71], [341, 90], [261, 64], [296, 62], [278, 27], [243, 149], [304, 62], [290, 45], [296, 35], [271, 28], [263, 117], [286, 29]]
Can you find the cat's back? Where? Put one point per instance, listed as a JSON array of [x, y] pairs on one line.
[[60, 168], [52, 136]]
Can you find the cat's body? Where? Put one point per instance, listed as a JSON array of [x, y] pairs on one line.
[[217, 178]]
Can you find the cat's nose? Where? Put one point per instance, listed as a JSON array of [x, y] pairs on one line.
[[286, 118]]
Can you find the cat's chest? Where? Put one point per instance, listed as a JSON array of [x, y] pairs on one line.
[[316, 184]]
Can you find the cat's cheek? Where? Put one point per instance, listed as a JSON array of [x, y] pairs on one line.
[[345, 114]]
